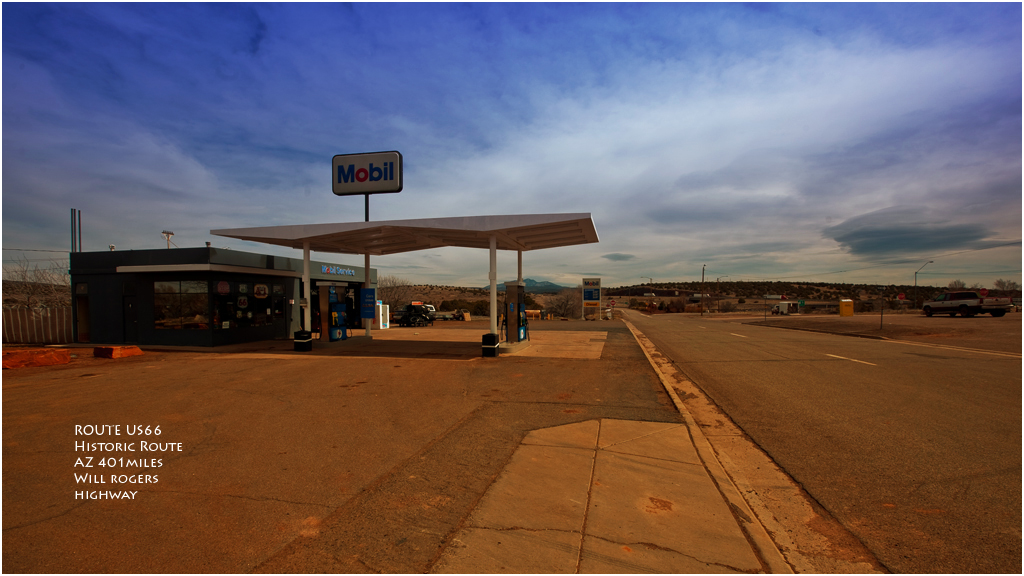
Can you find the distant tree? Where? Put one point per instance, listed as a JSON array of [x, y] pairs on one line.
[[567, 303], [480, 308], [26, 284], [1008, 285], [394, 291], [957, 285]]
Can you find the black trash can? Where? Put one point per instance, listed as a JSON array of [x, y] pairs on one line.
[[303, 341], [490, 345]]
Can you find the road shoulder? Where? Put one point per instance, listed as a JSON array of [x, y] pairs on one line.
[[790, 530]]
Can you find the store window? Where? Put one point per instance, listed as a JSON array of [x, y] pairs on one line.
[[241, 305], [181, 305]]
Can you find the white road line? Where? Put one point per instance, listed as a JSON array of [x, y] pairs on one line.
[[851, 359], [957, 348], [740, 335]]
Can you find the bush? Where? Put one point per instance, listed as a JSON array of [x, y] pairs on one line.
[[676, 305], [475, 307]]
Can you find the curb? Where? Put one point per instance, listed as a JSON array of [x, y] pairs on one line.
[[748, 521]]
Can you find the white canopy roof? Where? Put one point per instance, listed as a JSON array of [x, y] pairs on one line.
[[520, 232]]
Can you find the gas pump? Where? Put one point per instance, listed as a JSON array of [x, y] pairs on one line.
[[517, 329], [336, 317]]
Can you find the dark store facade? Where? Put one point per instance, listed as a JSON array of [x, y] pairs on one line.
[[201, 296]]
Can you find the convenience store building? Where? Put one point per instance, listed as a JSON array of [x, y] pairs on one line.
[[201, 296]]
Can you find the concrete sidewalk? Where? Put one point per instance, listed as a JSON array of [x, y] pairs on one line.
[[607, 496], [613, 496]]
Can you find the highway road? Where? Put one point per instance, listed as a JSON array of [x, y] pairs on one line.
[[915, 448]]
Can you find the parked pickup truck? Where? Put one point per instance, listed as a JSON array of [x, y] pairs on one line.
[[967, 304]]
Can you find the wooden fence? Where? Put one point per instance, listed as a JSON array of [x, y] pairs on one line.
[[37, 325]]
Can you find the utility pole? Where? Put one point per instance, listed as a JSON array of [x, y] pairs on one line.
[[718, 290]]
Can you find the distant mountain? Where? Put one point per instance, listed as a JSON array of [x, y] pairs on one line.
[[533, 286]]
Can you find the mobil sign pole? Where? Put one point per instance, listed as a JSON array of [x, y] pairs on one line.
[[367, 173], [591, 296]]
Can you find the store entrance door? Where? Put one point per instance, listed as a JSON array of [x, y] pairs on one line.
[[131, 320], [280, 319]]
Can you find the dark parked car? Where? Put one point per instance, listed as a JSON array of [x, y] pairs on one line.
[[414, 315]]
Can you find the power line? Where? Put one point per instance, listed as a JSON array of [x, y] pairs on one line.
[[968, 272], [37, 250]]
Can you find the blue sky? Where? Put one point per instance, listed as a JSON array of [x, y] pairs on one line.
[[821, 142]]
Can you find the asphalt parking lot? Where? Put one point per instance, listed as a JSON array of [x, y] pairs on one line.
[[336, 460]]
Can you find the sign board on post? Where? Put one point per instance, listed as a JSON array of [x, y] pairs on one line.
[[373, 173], [368, 303], [591, 294]]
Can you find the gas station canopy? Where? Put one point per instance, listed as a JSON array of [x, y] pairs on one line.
[[522, 232]]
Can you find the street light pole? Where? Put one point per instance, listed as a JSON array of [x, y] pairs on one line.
[[915, 280], [702, 266], [718, 289]]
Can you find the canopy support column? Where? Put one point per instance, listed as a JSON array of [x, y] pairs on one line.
[[306, 291], [520, 278], [367, 322], [493, 276]]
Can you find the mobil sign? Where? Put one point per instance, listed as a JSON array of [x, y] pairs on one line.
[[591, 292], [372, 173]]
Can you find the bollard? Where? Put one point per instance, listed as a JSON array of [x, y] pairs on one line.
[[303, 341], [490, 346]]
